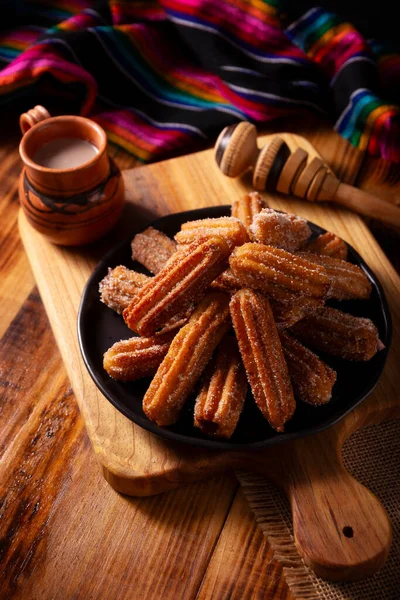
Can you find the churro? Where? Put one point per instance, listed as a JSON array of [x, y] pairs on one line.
[[347, 281], [186, 359], [137, 357], [232, 230], [220, 399], [262, 355], [311, 378], [183, 281], [278, 229], [327, 244], [278, 273], [336, 332], [247, 207], [119, 287], [288, 313], [226, 282], [152, 249]]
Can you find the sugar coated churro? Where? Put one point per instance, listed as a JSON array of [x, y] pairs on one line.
[[311, 378], [287, 314], [347, 281], [183, 280], [119, 287], [220, 399], [186, 359], [152, 249], [328, 244], [247, 207], [226, 282], [276, 272], [262, 355], [232, 230], [137, 357], [336, 332], [279, 229]]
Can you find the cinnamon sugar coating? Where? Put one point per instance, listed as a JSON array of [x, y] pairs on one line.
[[119, 286], [231, 229], [336, 332], [278, 273], [152, 249], [328, 244], [311, 378], [347, 281], [287, 314], [262, 356], [186, 359], [226, 282], [183, 281], [247, 207], [137, 357], [278, 229], [220, 399]]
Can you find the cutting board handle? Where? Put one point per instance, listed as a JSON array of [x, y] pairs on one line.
[[341, 529]]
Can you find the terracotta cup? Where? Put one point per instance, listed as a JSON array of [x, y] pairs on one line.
[[71, 206]]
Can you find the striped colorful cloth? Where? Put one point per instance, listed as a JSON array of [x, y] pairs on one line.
[[165, 77]]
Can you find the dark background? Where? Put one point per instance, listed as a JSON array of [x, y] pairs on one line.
[[375, 19]]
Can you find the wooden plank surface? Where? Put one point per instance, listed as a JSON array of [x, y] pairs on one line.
[[56, 496], [53, 497], [14, 264]]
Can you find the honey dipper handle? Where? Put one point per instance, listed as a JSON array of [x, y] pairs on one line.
[[33, 116], [367, 204]]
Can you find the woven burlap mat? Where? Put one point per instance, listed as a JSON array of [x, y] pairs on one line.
[[372, 455]]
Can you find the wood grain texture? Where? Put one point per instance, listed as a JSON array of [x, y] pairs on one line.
[[14, 265], [251, 575], [41, 433], [344, 159], [65, 533], [136, 463], [53, 498], [326, 502], [156, 547], [236, 150], [368, 204], [74, 498], [380, 177]]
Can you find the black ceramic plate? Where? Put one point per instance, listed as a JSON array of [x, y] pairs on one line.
[[99, 327]]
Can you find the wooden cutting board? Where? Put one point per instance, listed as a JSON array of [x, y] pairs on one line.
[[340, 528]]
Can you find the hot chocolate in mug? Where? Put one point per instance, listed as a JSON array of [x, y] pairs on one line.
[[71, 191]]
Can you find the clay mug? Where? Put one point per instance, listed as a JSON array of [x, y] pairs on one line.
[[71, 205]]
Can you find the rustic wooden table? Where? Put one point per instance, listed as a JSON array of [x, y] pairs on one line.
[[64, 532]]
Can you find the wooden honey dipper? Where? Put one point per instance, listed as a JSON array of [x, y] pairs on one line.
[[277, 169]]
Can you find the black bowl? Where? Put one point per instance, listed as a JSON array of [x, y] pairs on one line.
[[99, 327]]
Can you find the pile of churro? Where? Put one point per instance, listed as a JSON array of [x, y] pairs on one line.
[[234, 302]]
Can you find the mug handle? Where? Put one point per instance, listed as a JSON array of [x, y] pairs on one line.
[[33, 116]]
